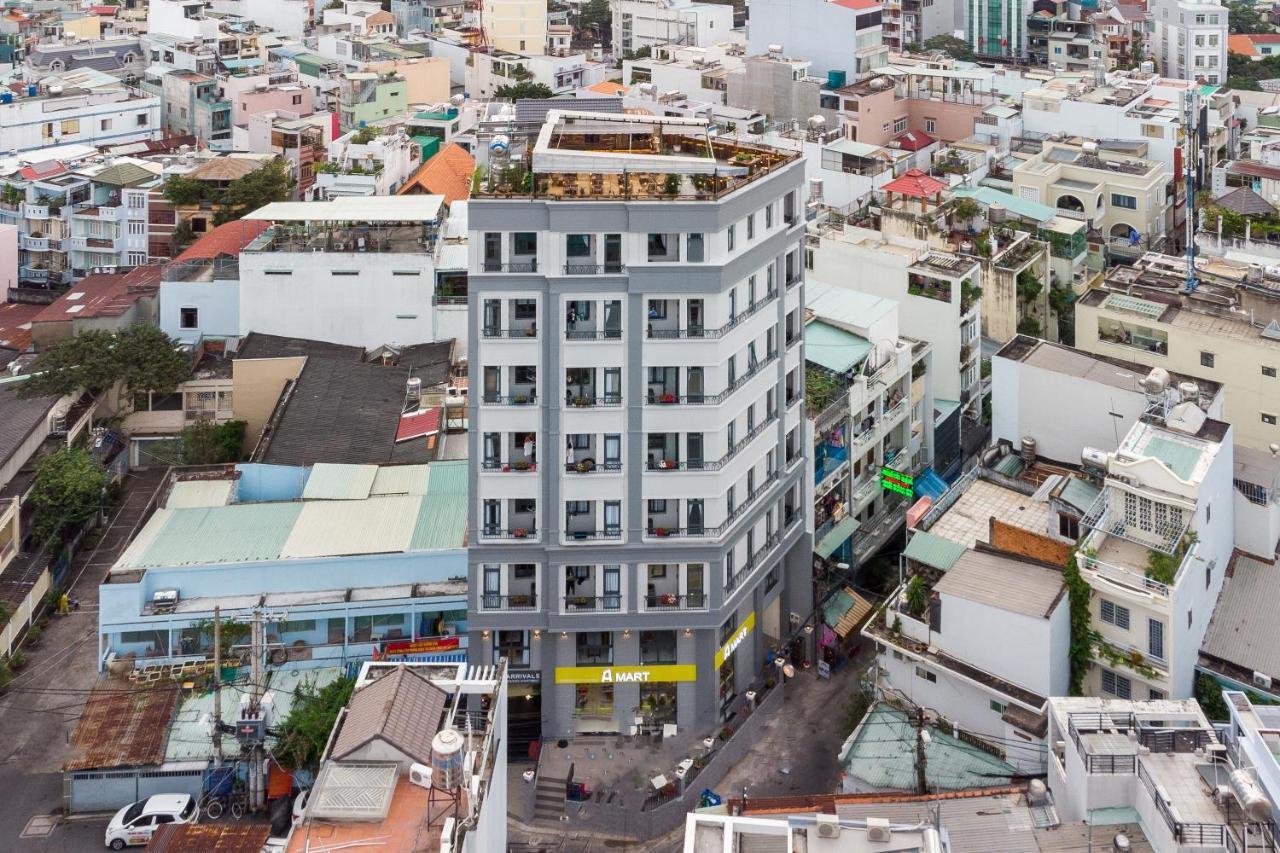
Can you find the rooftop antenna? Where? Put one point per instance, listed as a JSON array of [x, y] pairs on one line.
[[1191, 107]]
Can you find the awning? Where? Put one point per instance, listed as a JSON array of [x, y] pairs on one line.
[[933, 551], [845, 612], [835, 537]]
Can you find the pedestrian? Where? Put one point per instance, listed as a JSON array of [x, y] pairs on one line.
[[529, 448]]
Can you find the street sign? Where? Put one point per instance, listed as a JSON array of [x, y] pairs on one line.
[[896, 481]]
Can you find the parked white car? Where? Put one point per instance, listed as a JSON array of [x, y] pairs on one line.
[[134, 824]]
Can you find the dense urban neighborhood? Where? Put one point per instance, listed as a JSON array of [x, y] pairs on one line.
[[677, 426]]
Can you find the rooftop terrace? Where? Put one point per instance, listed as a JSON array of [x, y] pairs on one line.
[[599, 156]]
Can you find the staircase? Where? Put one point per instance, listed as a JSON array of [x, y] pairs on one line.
[[548, 799]]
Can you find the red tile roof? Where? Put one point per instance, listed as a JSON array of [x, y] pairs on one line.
[[914, 140], [916, 184], [108, 295], [228, 238], [418, 424], [1242, 45], [448, 173], [109, 11], [47, 169], [15, 324]]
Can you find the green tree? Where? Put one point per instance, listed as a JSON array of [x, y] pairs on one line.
[[1209, 695], [1244, 17], [516, 91], [917, 595], [596, 13], [69, 488], [957, 48], [256, 189], [142, 358], [304, 733], [179, 189], [209, 443], [233, 634]]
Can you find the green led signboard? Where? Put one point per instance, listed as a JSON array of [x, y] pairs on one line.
[[896, 481]]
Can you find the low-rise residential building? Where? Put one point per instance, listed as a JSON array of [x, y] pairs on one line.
[[700, 73], [822, 31], [1251, 745], [369, 264], [391, 743], [491, 69], [105, 302], [1159, 758], [780, 87], [870, 404], [639, 24], [200, 288], [365, 97], [48, 114], [941, 648], [1159, 540], [1224, 333], [1238, 649], [361, 558], [1189, 39], [1128, 199], [194, 105], [358, 165]]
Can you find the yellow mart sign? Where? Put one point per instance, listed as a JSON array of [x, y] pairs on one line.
[[626, 674], [731, 645]]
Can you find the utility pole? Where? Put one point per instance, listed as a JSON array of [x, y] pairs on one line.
[[217, 686], [257, 798], [922, 783]]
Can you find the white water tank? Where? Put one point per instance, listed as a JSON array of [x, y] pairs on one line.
[[1156, 381], [446, 759], [1252, 800], [1190, 391]]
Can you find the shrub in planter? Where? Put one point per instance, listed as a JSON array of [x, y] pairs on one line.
[[521, 465], [520, 533]]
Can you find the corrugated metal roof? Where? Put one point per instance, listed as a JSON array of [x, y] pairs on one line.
[[845, 307], [836, 536], [933, 551], [442, 519], [401, 480], [224, 534], [857, 149], [122, 727], [221, 838], [832, 348], [1003, 582], [880, 754], [1079, 493], [377, 525], [1242, 630], [1021, 207], [195, 493], [339, 482]]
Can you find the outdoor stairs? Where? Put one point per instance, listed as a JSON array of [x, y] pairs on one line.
[[548, 798]]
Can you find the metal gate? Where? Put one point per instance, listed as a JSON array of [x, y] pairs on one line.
[[98, 791]]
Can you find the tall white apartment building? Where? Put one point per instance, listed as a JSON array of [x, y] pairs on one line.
[[1160, 536], [1190, 40], [638, 495], [650, 23]]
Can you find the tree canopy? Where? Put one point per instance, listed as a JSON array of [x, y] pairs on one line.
[[241, 196], [958, 48], [304, 733], [143, 358], [67, 491], [1244, 17], [516, 91], [1245, 73]]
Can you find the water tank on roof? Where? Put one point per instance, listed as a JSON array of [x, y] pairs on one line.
[[836, 79], [775, 50], [6, 97], [31, 90], [446, 759]]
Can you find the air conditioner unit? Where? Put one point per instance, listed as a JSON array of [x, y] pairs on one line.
[[878, 829], [164, 600], [828, 826], [1262, 680]]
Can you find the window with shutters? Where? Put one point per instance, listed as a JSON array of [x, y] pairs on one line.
[[1115, 614], [1116, 685], [1155, 638]]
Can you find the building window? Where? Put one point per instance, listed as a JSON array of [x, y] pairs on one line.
[[137, 228], [930, 125], [188, 318], [297, 99], [104, 124], [998, 707], [1116, 685], [931, 677], [70, 126], [751, 226], [1269, 372], [732, 230], [142, 119], [1155, 638], [1206, 359], [1128, 202], [1115, 614], [1154, 694], [899, 126], [1068, 527], [47, 130], [1268, 419]]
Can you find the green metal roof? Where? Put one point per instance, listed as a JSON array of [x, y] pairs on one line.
[[442, 518], [832, 348], [933, 551], [430, 146], [879, 754], [836, 536], [1180, 458], [124, 175], [430, 116], [226, 534], [1079, 493], [1021, 207]]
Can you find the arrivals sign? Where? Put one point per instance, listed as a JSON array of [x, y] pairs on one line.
[[896, 481], [731, 645], [626, 674], [421, 646]]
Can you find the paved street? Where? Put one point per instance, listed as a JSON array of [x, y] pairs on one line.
[[39, 708], [797, 754]]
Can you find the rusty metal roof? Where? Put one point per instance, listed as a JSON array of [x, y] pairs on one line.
[[123, 727], [210, 837]]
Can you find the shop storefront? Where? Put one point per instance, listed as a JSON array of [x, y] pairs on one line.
[[732, 635], [650, 694], [524, 713]]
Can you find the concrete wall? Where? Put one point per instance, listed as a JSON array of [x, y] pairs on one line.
[[8, 259], [1016, 540], [1012, 646], [256, 385], [217, 304], [427, 78]]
